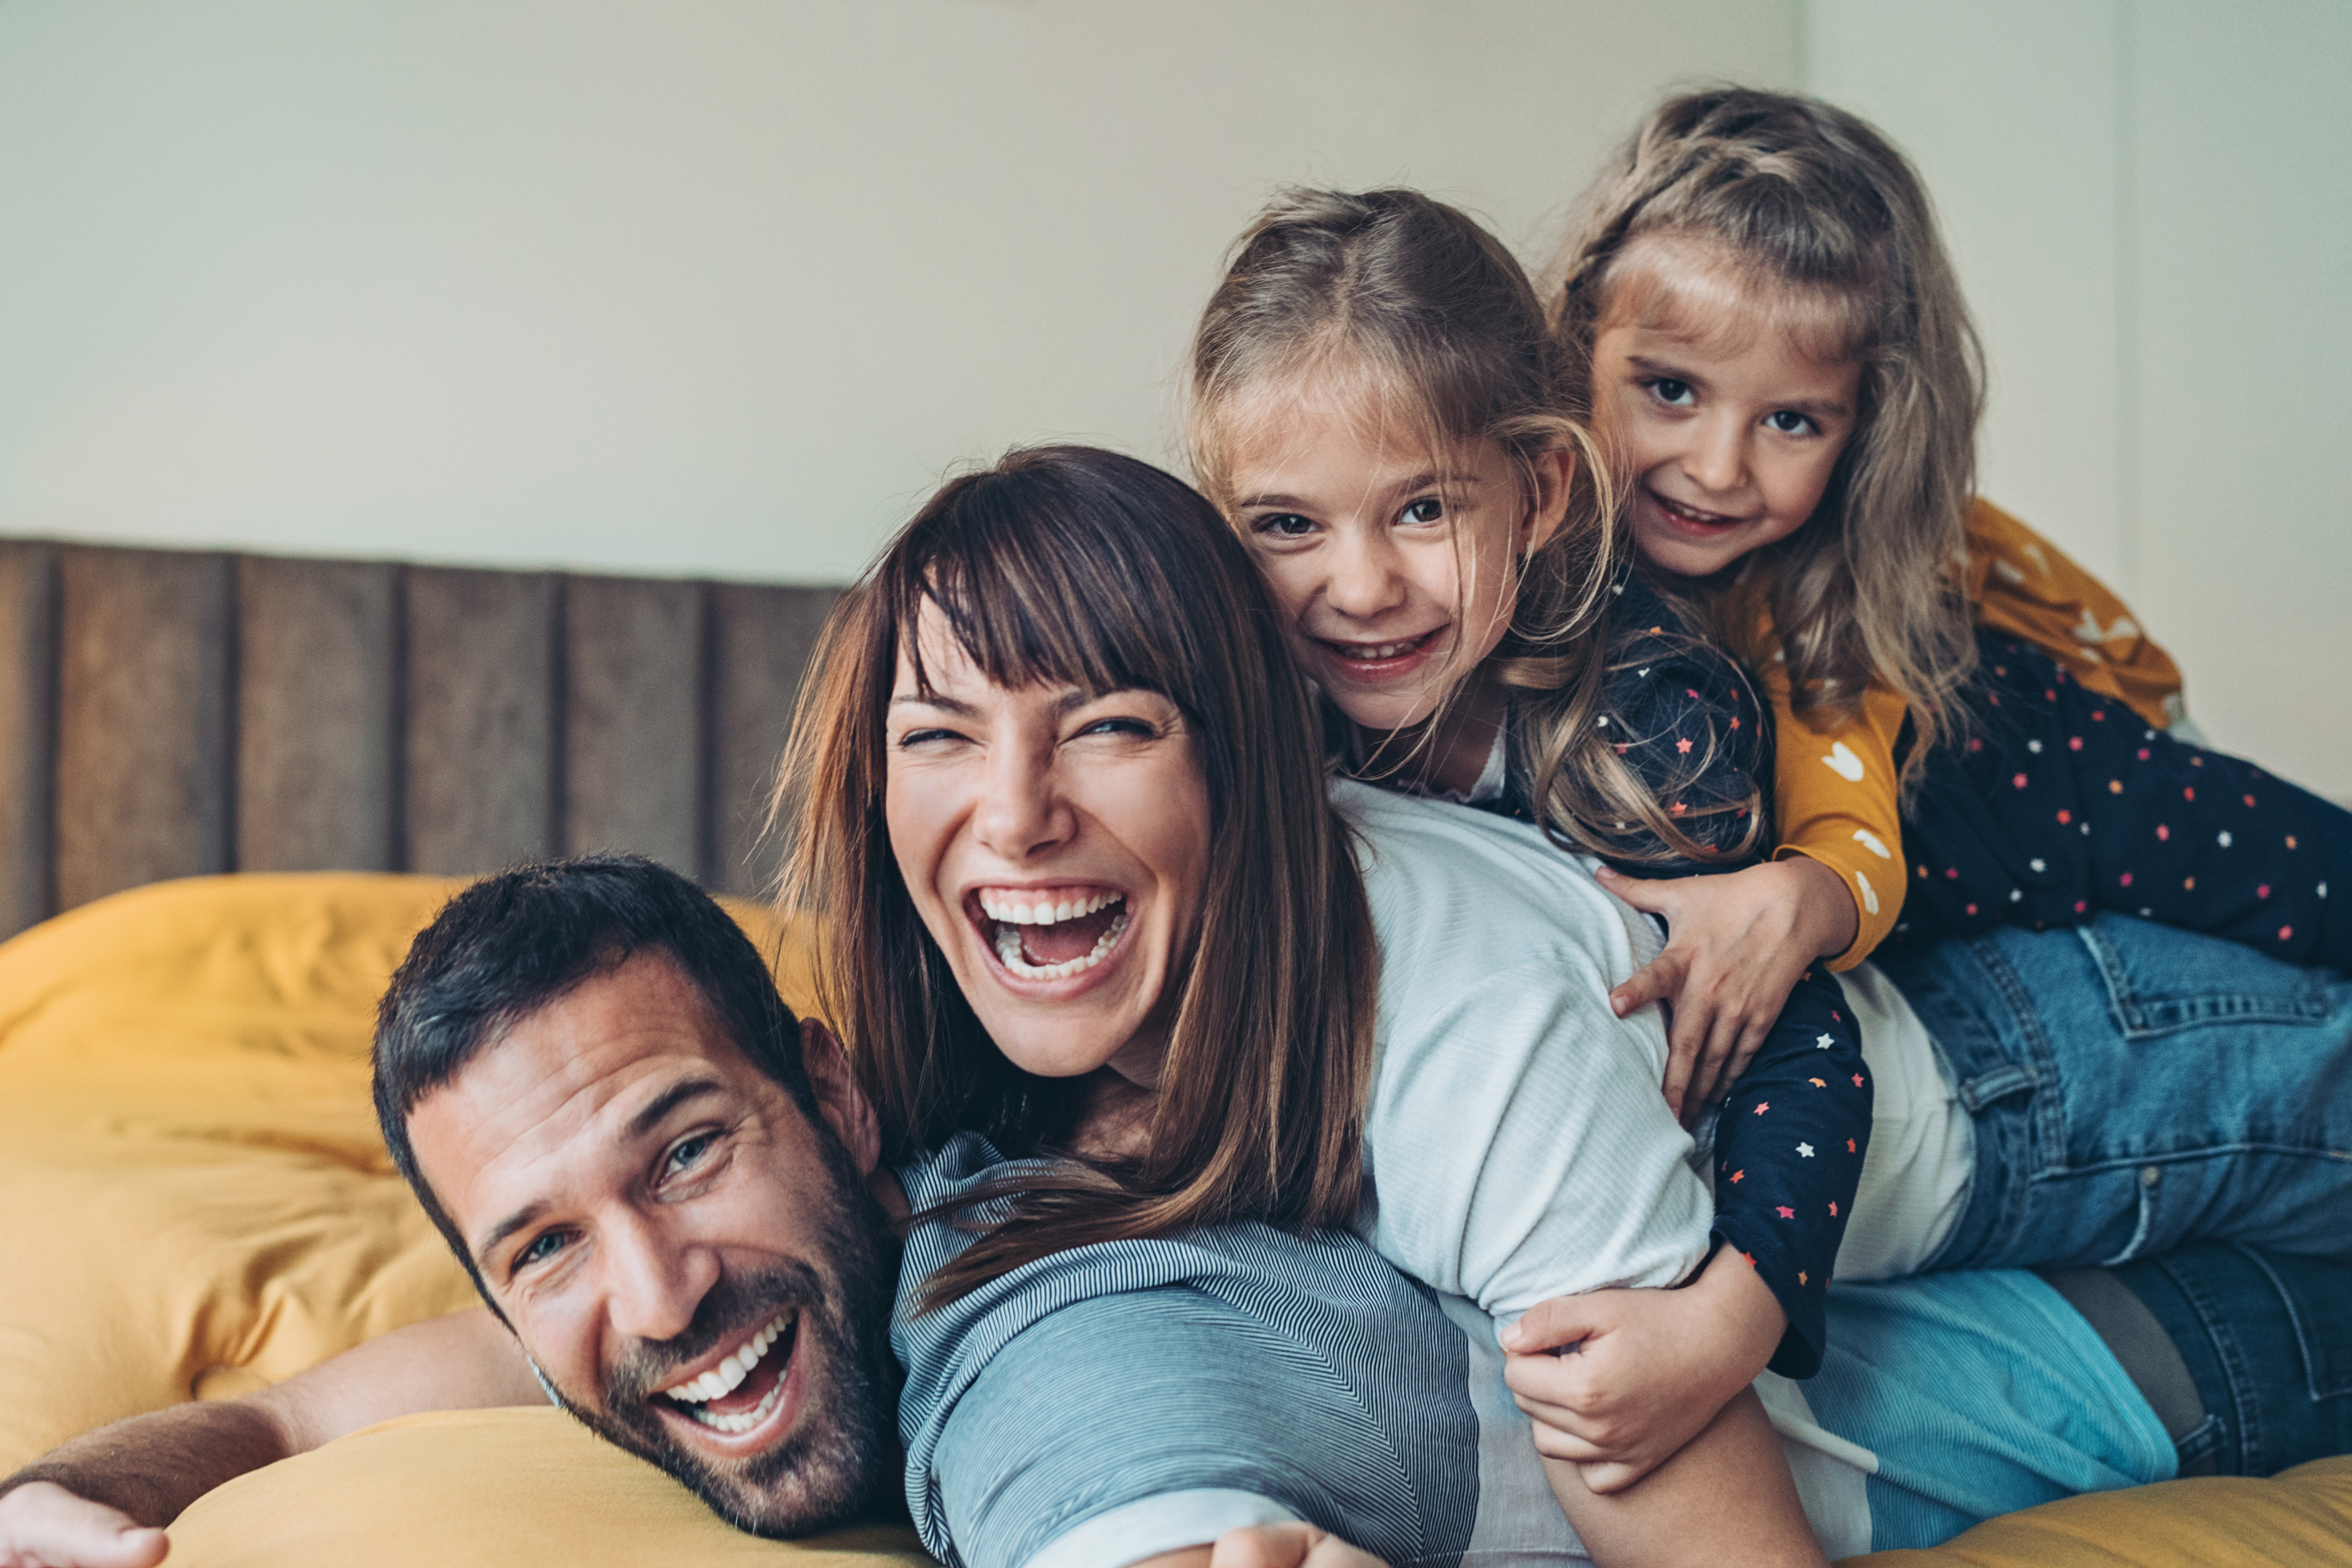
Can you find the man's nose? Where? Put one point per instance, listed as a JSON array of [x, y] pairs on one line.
[[1022, 812], [653, 1287], [1367, 579]]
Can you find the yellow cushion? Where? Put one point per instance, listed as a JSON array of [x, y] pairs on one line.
[[2302, 1519], [194, 1199], [487, 1489]]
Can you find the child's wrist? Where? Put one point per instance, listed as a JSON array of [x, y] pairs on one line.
[[1833, 920]]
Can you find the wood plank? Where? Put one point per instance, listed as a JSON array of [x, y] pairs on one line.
[[28, 674], [633, 718], [761, 639], [481, 743], [143, 755], [317, 714]]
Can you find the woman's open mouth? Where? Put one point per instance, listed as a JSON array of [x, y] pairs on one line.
[[747, 1386], [1050, 933], [1372, 661]]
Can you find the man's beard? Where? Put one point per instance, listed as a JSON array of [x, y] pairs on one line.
[[843, 1456]]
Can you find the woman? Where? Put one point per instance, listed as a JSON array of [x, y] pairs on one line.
[[1065, 813]]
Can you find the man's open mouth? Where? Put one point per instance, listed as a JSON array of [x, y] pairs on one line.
[[745, 1388], [1052, 934]]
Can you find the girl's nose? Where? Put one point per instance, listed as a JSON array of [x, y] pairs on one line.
[[652, 1289], [1366, 580], [1717, 458], [1021, 811]]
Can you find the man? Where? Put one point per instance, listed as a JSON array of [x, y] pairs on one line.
[[669, 1197]]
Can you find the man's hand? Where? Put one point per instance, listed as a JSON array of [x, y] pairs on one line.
[[42, 1525], [1736, 945], [1650, 1370]]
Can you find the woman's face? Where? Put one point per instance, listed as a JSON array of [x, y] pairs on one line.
[[1055, 843]]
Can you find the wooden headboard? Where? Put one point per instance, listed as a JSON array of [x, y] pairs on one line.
[[170, 713]]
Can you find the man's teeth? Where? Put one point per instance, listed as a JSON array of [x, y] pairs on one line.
[[729, 1376], [1043, 912], [1008, 949], [741, 1420]]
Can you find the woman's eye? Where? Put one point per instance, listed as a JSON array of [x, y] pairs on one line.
[[914, 738], [1428, 508], [1667, 390], [1285, 525], [1789, 422], [1120, 726]]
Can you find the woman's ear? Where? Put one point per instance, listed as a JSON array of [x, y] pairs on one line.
[[1555, 475], [839, 1100]]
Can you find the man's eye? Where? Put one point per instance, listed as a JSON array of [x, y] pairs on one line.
[[1284, 525], [688, 1154], [1428, 508], [1666, 389], [1789, 422], [541, 1250]]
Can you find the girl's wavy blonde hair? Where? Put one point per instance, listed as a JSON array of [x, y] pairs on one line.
[[1824, 228], [1408, 313]]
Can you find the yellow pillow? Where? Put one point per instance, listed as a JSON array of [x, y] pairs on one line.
[[488, 1488], [2302, 1519], [194, 1199]]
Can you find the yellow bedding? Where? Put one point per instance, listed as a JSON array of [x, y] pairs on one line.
[[195, 1202]]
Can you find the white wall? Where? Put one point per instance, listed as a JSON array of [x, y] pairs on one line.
[[711, 287], [2150, 207]]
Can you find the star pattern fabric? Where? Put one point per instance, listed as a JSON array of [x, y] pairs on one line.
[[2060, 803], [1698, 736]]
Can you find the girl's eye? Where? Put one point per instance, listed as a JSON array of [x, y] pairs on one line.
[[688, 1154], [1789, 422], [1428, 508], [1285, 525], [1667, 390]]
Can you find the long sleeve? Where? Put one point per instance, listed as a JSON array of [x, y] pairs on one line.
[[1838, 800], [2026, 587]]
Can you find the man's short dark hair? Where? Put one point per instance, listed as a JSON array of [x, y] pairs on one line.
[[514, 943]]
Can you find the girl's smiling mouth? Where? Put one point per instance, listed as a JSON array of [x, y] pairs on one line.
[[1692, 519], [1041, 935], [1380, 661]]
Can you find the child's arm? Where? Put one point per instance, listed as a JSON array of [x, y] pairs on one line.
[[1727, 1497]]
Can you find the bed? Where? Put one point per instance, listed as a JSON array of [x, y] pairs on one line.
[[234, 786]]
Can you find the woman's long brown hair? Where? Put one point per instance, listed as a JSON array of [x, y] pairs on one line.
[[1071, 565]]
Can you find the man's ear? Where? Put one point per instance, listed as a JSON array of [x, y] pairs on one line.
[[841, 1103], [1555, 472]]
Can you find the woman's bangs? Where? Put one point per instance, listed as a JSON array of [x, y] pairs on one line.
[[1039, 599]]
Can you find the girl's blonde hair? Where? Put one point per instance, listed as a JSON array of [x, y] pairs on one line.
[[1806, 203], [1417, 321], [1075, 566]]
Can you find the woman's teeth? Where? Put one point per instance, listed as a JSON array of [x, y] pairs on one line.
[[1044, 912], [728, 1376], [1011, 938]]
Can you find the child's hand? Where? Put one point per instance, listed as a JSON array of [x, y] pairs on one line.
[[1652, 1369], [1736, 945]]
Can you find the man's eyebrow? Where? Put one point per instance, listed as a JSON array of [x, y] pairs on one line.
[[643, 1122]]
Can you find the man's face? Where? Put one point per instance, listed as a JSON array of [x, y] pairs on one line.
[[694, 1266]]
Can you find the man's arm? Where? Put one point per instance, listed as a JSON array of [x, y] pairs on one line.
[[140, 1473]]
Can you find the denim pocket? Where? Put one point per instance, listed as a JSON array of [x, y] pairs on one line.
[[2318, 1320], [2160, 980]]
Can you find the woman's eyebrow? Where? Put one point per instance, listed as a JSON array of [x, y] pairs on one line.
[[938, 699]]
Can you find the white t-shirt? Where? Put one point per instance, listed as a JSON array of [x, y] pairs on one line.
[[1914, 1176], [1517, 1143]]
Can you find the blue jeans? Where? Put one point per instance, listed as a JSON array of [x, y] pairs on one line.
[[2134, 1089]]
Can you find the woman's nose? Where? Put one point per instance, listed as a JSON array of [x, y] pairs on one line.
[[1021, 811]]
